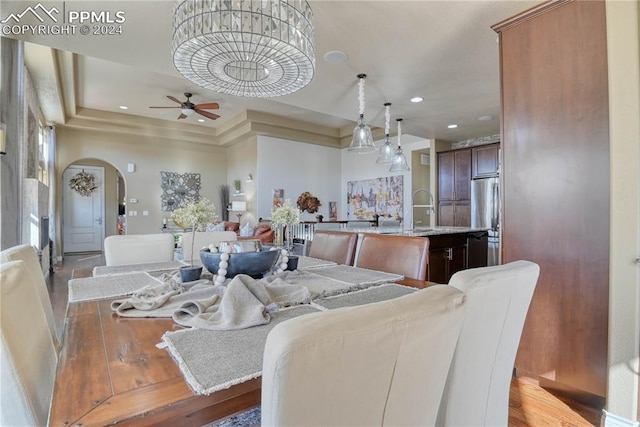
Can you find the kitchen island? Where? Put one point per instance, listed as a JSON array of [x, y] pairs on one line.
[[451, 249]]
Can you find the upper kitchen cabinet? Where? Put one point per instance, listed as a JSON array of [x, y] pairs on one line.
[[454, 188], [556, 179], [454, 175], [485, 161]]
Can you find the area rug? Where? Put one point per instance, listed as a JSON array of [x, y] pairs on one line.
[[106, 270], [249, 418], [95, 288], [216, 360], [366, 296]]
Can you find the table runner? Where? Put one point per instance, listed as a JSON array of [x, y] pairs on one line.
[[216, 360], [305, 263], [107, 270], [103, 287], [366, 296]]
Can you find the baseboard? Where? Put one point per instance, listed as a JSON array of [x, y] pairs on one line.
[[612, 420], [577, 395]]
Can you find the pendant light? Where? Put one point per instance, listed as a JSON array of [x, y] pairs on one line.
[[399, 162], [362, 141], [386, 150]]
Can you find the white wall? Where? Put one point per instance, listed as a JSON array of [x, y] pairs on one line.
[[297, 167], [363, 166]]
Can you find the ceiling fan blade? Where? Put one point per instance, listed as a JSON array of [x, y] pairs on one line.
[[207, 114], [182, 116], [173, 98], [165, 107], [208, 106]]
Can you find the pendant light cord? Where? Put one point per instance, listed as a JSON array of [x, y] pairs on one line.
[[361, 95], [399, 132], [387, 118]]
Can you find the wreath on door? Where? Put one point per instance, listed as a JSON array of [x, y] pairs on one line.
[[83, 183]]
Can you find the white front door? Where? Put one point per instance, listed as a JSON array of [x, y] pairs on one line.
[[83, 215]]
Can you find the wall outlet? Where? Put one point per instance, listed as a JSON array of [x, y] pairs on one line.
[[133, 200], [145, 213]]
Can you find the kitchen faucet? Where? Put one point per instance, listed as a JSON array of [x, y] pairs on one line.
[[429, 207]]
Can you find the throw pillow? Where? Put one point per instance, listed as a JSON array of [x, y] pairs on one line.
[[215, 227], [246, 230]]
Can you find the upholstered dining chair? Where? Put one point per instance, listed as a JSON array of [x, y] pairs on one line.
[[27, 353], [28, 254], [480, 378], [138, 248], [376, 364], [337, 246], [204, 238], [406, 255]]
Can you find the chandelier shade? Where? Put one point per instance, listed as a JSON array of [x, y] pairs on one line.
[[399, 162], [262, 48], [386, 150], [362, 141]]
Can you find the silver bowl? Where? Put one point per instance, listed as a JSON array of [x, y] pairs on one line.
[[254, 264]]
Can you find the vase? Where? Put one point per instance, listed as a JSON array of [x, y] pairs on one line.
[[288, 237]]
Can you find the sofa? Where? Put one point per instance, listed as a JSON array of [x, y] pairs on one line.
[[261, 231]]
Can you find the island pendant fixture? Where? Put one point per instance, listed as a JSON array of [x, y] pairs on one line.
[[362, 142]]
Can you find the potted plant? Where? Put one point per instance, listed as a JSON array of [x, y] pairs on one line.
[[196, 214], [282, 217]]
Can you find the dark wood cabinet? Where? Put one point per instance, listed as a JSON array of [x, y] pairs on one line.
[[556, 175], [454, 213], [454, 188], [485, 161], [447, 255]]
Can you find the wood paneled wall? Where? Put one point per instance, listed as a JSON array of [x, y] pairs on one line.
[[555, 146]]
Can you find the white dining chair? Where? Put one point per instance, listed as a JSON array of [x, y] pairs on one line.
[[498, 298], [28, 254], [376, 364], [138, 248], [27, 352]]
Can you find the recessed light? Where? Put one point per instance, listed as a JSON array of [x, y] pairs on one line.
[[452, 126], [485, 118], [124, 107], [201, 120], [417, 99], [335, 57]]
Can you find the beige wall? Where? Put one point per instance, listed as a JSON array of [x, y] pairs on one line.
[[623, 34], [150, 156], [420, 178], [242, 160]]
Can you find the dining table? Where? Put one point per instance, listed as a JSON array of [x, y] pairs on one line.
[[111, 371]]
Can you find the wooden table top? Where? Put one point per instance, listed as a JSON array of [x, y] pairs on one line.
[[111, 372]]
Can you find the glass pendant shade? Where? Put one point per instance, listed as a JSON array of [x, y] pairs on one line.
[[399, 162], [362, 141], [386, 152], [245, 48]]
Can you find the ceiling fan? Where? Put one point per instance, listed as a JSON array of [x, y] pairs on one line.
[[187, 108]]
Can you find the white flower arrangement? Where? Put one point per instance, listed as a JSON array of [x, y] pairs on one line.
[[285, 214], [194, 214]]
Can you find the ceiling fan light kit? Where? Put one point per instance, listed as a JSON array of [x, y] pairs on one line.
[[245, 48], [362, 141]]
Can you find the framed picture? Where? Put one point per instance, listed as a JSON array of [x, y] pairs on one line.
[[383, 196], [333, 211], [278, 197]]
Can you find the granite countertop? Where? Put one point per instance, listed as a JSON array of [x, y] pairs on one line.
[[420, 231]]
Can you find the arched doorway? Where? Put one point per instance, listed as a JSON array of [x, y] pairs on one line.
[[88, 219]]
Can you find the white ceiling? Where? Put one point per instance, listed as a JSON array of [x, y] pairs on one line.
[[444, 51]]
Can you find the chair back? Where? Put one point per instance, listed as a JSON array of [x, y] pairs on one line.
[[28, 254], [479, 382], [406, 255], [376, 364], [337, 246], [138, 248], [204, 238], [27, 354]]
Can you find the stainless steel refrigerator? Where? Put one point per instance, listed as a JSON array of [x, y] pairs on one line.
[[485, 213]]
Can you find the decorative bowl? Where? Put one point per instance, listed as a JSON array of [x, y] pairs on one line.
[[254, 264]]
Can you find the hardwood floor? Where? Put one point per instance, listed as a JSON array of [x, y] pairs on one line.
[[529, 404]]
